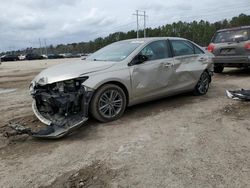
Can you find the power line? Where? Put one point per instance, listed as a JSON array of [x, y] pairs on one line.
[[211, 13], [113, 29]]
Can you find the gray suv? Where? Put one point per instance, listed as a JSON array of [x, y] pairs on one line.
[[231, 48]]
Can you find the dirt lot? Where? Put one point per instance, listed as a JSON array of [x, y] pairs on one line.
[[182, 141]]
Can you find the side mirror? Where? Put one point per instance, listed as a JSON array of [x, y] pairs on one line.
[[139, 59]]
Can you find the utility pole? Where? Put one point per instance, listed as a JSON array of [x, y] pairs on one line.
[[40, 45], [45, 44], [145, 35], [137, 21]]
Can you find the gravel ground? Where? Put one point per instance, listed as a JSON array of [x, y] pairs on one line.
[[182, 141]]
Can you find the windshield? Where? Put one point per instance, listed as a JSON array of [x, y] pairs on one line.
[[232, 36], [115, 52]]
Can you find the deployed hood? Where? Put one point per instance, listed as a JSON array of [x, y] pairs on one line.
[[67, 71]]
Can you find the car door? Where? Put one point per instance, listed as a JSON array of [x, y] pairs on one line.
[[189, 63], [151, 77]]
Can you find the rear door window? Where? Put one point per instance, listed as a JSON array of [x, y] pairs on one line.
[[197, 50], [182, 47]]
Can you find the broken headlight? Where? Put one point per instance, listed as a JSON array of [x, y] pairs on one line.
[[42, 81], [31, 88], [70, 85]]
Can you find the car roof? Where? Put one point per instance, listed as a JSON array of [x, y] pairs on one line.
[[149, 39], [234, 28]]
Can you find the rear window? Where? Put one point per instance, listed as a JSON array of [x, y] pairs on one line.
[[232, 36]]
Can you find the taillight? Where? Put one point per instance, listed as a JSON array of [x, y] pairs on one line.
[[247, 46], [210, 48]]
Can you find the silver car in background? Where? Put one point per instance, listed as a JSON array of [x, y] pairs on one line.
[[122, 74]]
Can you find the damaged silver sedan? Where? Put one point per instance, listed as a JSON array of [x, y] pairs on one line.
[[122, 74]]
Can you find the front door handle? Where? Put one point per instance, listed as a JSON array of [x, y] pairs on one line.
[[168, 64], [202, 59]]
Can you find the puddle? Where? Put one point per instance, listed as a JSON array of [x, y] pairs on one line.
[[2, 90]]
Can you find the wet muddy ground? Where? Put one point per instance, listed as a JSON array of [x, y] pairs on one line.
[[181, 141]]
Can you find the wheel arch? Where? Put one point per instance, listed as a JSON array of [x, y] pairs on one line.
[[209, 73]]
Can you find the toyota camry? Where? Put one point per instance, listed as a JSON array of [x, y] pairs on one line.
[[119, 75]]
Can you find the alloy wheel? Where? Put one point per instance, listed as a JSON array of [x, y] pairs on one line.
[[203, 83], [110, 103]]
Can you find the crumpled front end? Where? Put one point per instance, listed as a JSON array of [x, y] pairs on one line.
[[62, 106]]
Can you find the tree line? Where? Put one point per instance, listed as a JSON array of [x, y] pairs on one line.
[[200, 32]]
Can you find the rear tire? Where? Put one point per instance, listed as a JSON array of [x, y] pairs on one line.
[[108, 103], [203, 84], [218, 68]]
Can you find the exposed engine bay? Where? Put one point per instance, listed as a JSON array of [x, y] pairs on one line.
[[62, 106]]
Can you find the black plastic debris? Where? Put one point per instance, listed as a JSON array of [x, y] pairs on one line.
[[55, 131], [17, 130], [242, 94], [50, 132]]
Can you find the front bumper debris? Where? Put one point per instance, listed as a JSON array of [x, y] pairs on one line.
[[17, 130], [61, 107], [50, 132]]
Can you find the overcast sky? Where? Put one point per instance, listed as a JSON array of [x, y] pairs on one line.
[[23, 22]]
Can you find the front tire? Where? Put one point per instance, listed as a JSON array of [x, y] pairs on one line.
[[203, 84], [108, 103]]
